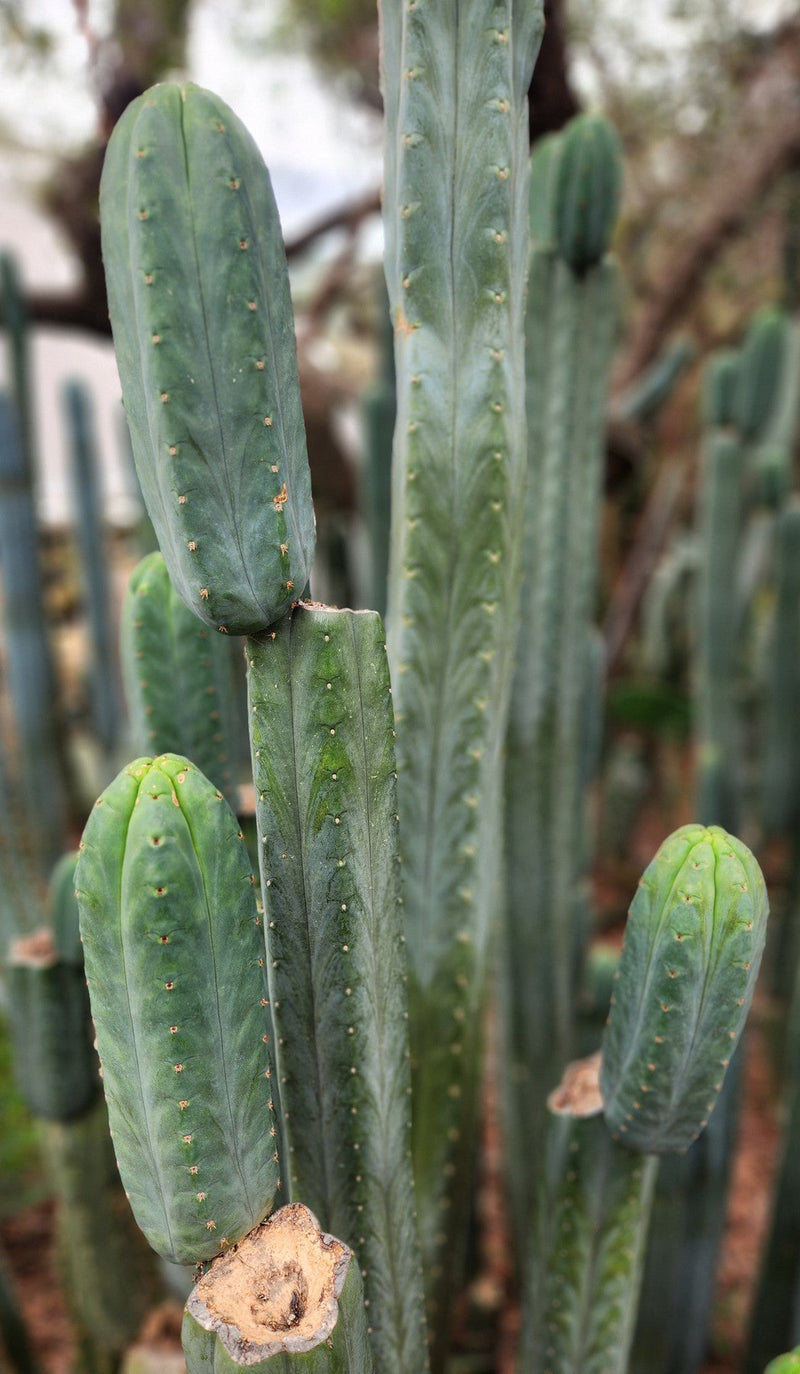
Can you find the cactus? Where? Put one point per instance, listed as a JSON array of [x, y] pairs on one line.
[[14, 316], [759, 375], [201, 316], [785, 1364], [718, 632], [642, 401], [288, 1298], [593, 1209], [30, 670], [379, 414], [50, 1029], [104, 678], [178, 675], [324, 772], [571, 325], [168, 910], [587, 191], [456, 135], [693, 945]]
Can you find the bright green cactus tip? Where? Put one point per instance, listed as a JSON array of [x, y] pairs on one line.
[[174, 957], [785, 1364], [204, 336], [693, 945]]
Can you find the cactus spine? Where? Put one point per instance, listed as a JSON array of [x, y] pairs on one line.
[[455, 79], [168, 910], [203, 331]]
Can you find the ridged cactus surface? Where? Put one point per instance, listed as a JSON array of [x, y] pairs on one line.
[[204, 336], [177, 674], [326, 805], [693, 945], [456, 74], [174, 960], [586, 190]]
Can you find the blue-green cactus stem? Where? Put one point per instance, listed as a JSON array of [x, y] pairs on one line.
[[781, 771], [455, 80], [571, 325], [16, 323], [30, 670], [586, 190], [174, 960], [693, 945], [717, 671], [50, 1028], [204, 336], [762, 359], [178, 676], [105, 694], [324, 772], [110, 1274], [288, 1298], [593, 1205], [720, 388]]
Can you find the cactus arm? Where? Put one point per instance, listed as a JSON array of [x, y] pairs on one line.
[[174, 956], [693, 946], [177, 675], [593, 1211], [324, 772], [455, 77], [203, 330]]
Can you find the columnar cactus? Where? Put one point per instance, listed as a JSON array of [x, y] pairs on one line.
[[177, 674], [592, 1214], [175, 966], [204, 336], [571, 324], [455, 80], [693, 945], [324, 772]]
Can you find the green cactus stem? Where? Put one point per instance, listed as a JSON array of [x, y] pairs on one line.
[[29, 658], [592, 1215], [324, 772], [455, 81], [204, 336], [111, 1277], [178, 675], [50, 1028], [287, 1298], [762, 360], [104, 682], [693, 945], [571, 325], [174, 961], [717, 674], [586, 191]]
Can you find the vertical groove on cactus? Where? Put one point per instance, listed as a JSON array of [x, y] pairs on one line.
[[456, 75], [174, 962], [324, 772]]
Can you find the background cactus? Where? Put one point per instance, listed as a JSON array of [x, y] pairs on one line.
[[571, 326]]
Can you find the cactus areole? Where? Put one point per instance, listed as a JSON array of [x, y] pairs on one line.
[[692, 950], [199, 302]]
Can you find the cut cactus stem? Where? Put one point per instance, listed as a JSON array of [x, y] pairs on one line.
[[287, 1297], [690, 958], [592, 1216]]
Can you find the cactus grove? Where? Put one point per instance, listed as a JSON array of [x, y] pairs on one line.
[[300, 1073]]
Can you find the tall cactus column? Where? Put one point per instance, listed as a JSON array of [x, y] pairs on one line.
[[572, 322], [455, 79]]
